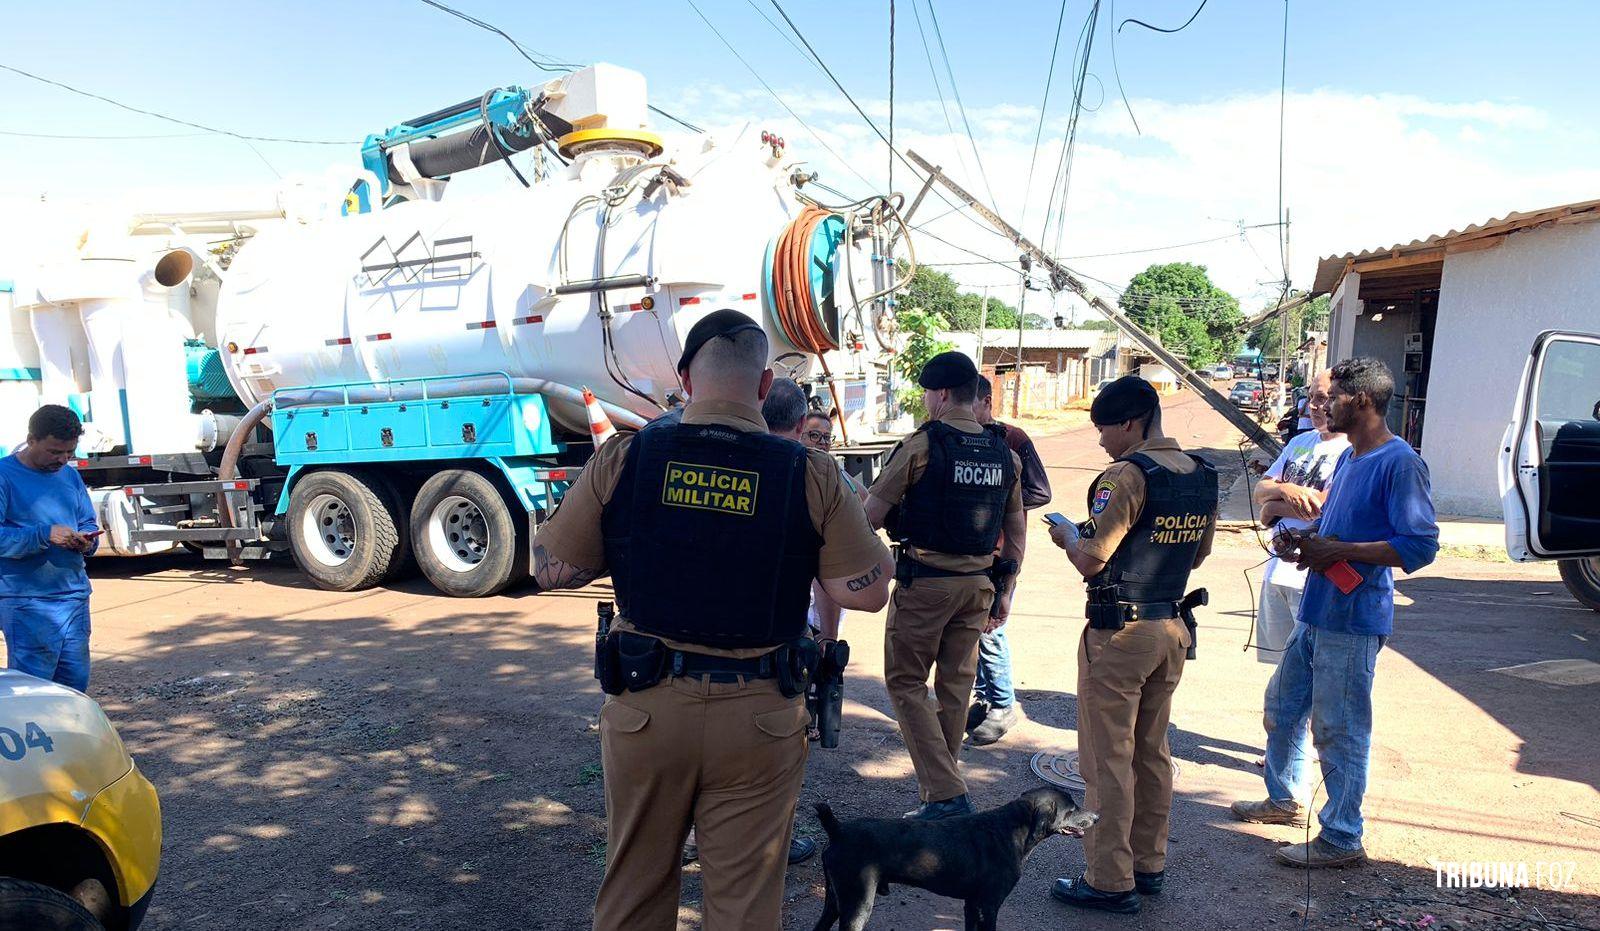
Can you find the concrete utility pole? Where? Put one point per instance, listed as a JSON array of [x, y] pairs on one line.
[[1283, 349], [983, 321], [1062, 277], [1022, 306]]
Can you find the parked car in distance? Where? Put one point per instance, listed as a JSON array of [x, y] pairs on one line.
[[1222, 372], [1270, 370], [1246, 393], [80, 826]]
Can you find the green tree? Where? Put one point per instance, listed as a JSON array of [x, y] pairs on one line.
[[1191, 316], [935, 291], [921, 329], [1096, 324], [1302, 321]]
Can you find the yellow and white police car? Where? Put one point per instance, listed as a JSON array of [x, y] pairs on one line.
[[80, 826]]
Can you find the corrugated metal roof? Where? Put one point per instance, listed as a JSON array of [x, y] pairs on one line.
[[1487, 233]]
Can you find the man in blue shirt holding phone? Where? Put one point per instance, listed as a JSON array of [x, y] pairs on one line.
[[47, 527], [1378, 516]]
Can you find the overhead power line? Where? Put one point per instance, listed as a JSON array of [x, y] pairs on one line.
[[1140, 22], [170, 119], [1038, 132], [775, 96], [6, 132], [851, 100], [548, 64], [938, 34]]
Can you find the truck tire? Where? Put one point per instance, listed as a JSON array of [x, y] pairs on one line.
[[398, 496], [1582, 577], [345, 530], [41, 908], [468, 542]]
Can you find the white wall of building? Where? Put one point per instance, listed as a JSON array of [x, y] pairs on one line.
[[1491, 306]]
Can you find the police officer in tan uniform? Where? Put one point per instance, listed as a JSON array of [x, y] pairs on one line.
[[712, 531], [945, 494], [1152, 516]]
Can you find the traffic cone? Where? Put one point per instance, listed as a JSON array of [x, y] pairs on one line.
[[600, 426]]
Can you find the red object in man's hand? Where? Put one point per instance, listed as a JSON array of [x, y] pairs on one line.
[[1343, 575]]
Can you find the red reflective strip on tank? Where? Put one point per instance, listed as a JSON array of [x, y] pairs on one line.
[[481, 325], [341, 341], [241, 486], [378, 337], [128, 491], [252, 350], [559, 475], [142, 460], [520, 321], [79, 463], [750, 297], [686, 301]]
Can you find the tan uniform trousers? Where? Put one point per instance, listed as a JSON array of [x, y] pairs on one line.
[[725, 757], [1125, 683], [934, 625]]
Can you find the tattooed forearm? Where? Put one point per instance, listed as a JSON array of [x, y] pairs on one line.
[[551, 572], [863, 581]]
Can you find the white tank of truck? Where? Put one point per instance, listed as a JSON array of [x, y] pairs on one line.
[[591, 277]]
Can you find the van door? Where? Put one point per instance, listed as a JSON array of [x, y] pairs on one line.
[[1550, 457]]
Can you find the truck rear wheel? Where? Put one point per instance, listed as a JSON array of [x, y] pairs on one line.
[[346, 530], [1582, 577], [39, 907], [467, 540]]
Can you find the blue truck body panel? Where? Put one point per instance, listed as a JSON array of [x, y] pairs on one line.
[[420, 420]]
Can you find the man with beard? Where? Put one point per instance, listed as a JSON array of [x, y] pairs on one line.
[[1378, 516]]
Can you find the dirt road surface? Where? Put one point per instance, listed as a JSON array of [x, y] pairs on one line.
[[392, 758]]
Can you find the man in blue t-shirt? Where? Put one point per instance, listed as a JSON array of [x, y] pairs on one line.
[[47, 527], [1378, 516]]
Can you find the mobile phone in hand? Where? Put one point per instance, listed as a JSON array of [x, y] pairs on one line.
[[1055, 518], [1344, 576], [90, 535]]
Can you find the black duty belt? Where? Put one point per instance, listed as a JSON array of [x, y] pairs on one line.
[[906, 569], [720, 668]]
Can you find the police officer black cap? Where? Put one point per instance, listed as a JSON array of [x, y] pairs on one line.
[[1128, 398], [948, 370], [725, 322]]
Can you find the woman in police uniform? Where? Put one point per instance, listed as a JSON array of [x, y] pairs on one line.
[[1151, 520]]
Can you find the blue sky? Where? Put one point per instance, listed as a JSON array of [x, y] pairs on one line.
[[1405, 119]]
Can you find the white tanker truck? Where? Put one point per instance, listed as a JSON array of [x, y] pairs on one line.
[[402, 384]]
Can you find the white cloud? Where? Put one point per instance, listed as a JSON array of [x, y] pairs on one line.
[[1359, 171]]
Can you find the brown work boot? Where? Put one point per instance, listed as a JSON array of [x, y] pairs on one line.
[[1319, 854], [1268, 811]]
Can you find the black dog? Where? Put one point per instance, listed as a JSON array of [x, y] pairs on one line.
[[976, 858]]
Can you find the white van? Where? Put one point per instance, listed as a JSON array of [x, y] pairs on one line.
[[1550, 461]]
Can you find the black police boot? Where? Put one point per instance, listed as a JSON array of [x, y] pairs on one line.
[[938, 811], [1079, 894], [801, 849], [1149, 883]]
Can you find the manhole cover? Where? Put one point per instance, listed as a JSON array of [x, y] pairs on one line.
[[1061, 769]]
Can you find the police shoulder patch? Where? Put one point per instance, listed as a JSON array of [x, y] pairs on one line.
[[1102, 495]]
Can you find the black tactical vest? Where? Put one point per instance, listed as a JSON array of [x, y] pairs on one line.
[[959, 503], [1153, 561], [708, 536]]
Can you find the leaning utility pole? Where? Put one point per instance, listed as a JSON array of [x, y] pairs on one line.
[[1022, 307], [1061, 277]]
